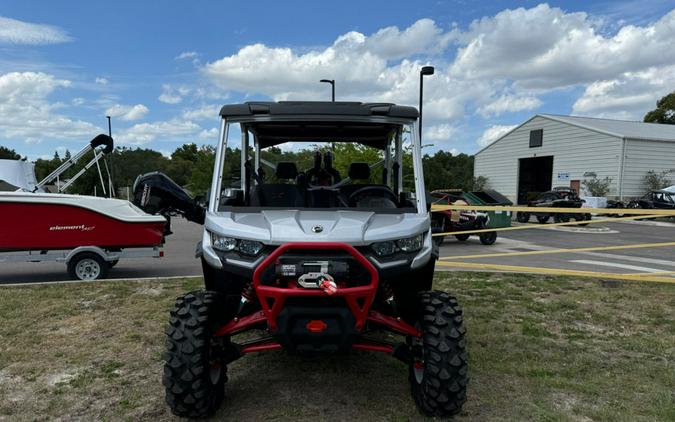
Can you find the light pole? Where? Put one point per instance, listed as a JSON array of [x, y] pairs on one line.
[[426, 71], [332, 86]]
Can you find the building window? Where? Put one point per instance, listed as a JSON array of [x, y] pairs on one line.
[[536, 138]]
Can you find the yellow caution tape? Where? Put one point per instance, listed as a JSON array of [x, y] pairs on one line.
[[558, 271], [546, 210], [547, 226], [555, 251]]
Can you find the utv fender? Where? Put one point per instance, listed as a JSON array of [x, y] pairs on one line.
[[429, 251]]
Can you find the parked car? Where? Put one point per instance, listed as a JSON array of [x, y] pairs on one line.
[[456, 220], [656, 199], [560, 197], [659, 199], [614, 204]]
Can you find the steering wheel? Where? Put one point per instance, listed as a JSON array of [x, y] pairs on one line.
[[382, 191]]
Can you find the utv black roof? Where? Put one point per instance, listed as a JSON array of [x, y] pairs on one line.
[[319, 120], [318, 108]]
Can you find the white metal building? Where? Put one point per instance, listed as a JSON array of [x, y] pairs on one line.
[[550, 150]]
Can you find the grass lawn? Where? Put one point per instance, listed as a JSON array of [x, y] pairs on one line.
[[541, 348]]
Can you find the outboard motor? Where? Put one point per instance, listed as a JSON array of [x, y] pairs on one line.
[[156, 193]]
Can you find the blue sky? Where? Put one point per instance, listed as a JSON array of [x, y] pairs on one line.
[[162, 69]]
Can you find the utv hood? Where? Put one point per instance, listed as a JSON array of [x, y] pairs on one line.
[[275, 227]]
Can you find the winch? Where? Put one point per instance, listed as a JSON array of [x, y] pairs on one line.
[[313, 274]]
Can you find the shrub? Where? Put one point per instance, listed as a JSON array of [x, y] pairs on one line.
[[597, 187], [657, 180]]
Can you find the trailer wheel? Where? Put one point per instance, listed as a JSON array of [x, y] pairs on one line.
[[543, 219], [194, 370], [87, 266], [438, 372], [462, 237], [523, 217]]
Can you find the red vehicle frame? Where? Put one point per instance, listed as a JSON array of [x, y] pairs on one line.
[[278, 295]]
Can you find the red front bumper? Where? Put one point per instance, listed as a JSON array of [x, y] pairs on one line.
[[358, 298]]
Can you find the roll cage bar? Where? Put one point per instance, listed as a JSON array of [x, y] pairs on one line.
[[392, 165]]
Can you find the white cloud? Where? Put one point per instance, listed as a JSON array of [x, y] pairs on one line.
[[211, 134], [170, 98], [127, 112], [442, 132], [187, 55], [509, 103], [101, 81], [547, 48], [629, 96], [361, 65], [26, 113], [171, 130], [503, 64], [422, 36], [493, 133], [173, 95], [78, 101], [209, 112], [14, 31]]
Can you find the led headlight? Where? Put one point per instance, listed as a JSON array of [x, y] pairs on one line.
[[384, 248], [229, 244], [410, 244], [223, 243], [250, 247]]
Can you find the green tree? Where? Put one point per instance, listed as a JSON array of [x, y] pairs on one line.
[[202, 173], [664, 111], [480, 183], [8, 154], [443, 170], [187, 152]]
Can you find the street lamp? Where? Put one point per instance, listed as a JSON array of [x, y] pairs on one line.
[[332, 86], [426, 71]]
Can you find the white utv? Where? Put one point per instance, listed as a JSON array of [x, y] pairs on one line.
[[318, 261]]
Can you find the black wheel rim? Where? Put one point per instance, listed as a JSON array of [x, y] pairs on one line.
[[417, 357], [215, 361]]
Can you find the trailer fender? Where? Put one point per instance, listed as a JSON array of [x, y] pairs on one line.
[[107, 256]]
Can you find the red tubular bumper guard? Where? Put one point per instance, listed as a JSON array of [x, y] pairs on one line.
[[359, 299], [352, 295]]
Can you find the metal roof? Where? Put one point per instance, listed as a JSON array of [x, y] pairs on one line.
[[619, 128]]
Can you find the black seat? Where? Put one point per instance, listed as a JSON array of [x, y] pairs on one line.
[[357, 171], [334, 175], [283, 195], [361, 171]]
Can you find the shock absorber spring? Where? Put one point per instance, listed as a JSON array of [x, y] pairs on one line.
[[387, 292], [388, 297], [247, 295]]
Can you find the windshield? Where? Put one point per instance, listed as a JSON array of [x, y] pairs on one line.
[[316, 165]]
